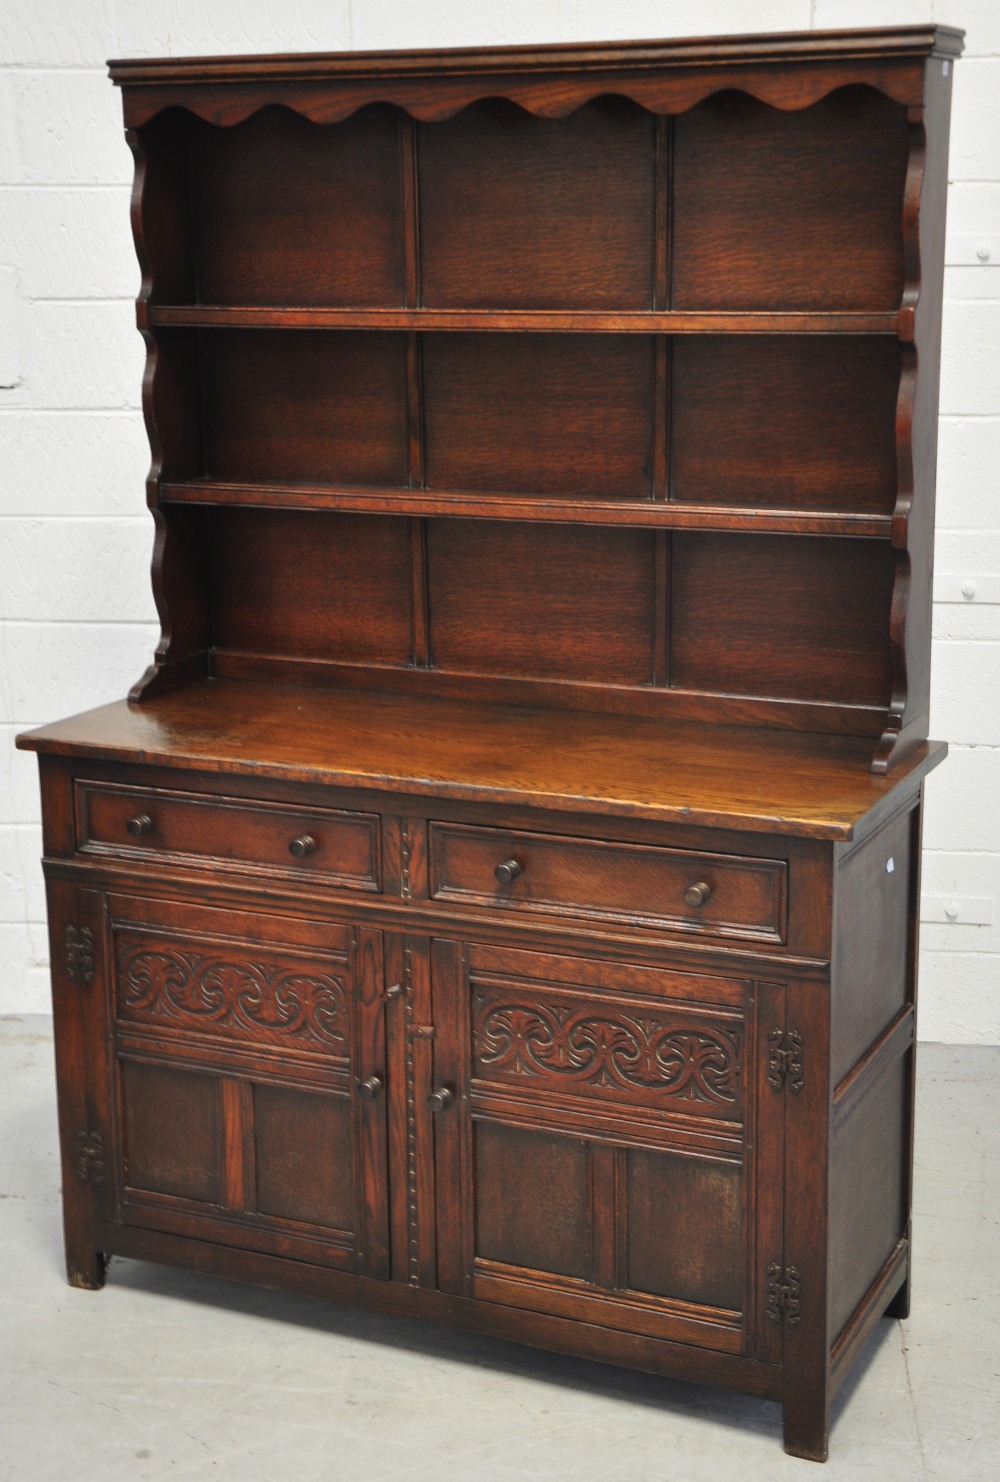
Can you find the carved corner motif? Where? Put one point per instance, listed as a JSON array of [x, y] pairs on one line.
[[79, 954], [793, 1062], [784, 1290], [784, 1060], [793, 1288], [773, 1308], [90, 1157], [775, 1068]]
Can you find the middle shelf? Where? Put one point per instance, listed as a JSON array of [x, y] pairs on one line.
[[471, 504], [779, 433], [571, 321]]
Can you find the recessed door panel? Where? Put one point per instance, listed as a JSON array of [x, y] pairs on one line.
[[304, 1154], [684, 1228], [173, 1132], [532, 1199]]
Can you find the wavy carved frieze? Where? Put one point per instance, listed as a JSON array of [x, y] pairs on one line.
[[611, 1049], [546, 97], [261, 997]]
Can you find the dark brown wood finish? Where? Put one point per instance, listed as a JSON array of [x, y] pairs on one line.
[[746, 171], [506, 424], [798, 421], [507, 208], [498, 901], [263, 196]]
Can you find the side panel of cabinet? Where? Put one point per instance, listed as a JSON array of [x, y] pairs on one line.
[[611, 1151], [78, 978], [246, 1082]]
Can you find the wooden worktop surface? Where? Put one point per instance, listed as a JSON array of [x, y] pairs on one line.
[[774, 781]]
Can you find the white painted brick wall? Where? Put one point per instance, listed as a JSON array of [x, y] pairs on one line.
[[84, 464], [10, 346], [76, 618], [78, 248]]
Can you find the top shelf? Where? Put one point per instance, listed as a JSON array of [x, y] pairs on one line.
[[564, 321]]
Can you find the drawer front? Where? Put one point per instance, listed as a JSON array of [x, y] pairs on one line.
[[633, 884], [339, 847]]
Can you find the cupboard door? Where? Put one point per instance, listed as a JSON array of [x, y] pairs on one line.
[[605, 1149], [248, 1081]]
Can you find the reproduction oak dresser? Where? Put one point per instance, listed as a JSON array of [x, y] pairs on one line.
[[498, 901]]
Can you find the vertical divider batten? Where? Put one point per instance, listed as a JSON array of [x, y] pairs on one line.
[[662, 211], [410, 187], [415, 440], [663, 185], [661, 608]]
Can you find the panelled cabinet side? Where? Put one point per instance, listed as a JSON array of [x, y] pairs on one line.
[[77, 956]]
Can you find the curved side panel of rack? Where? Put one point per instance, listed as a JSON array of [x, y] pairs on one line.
[[905, 402], [177, 578], [917, 422]]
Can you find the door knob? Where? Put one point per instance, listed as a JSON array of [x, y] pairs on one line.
[[697, 895], [508, 871], [303, 845], [441, 1099], [369, 1089]]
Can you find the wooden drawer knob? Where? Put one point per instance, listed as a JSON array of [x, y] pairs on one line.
[[441, 1099], [369, 1089], [303, 845], [508, 871], [697, 895], [139, 825]]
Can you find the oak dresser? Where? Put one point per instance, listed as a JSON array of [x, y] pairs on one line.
[[497, 903]]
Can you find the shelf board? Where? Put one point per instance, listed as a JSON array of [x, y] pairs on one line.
[[566, 321], [471, 504]]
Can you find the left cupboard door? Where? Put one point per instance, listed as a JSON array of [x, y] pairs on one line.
[[247, 1080]]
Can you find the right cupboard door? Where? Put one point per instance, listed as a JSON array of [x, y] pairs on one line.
[[607, 1145]]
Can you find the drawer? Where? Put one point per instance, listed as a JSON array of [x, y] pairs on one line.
[[342, 848], [633, 884]]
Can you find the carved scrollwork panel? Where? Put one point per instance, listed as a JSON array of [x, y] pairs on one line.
[[272, 998], [673, 1058]]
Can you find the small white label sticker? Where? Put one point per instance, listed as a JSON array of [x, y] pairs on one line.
[[945, 68], [890, 865]]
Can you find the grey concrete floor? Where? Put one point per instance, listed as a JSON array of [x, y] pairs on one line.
[[170, 1375]]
